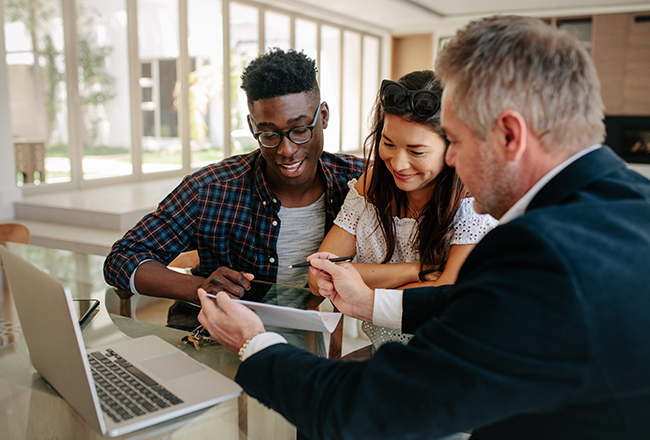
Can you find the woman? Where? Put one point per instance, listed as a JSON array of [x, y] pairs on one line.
[[408, 209]]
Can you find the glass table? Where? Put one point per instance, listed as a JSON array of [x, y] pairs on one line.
[[29, 408]]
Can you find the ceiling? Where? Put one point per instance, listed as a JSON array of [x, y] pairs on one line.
[[413, 16]]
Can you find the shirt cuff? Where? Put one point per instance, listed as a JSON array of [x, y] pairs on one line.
[[260, 342], [388, 308], [132, 279]]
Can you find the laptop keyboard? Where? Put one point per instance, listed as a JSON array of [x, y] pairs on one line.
[[125, 391]]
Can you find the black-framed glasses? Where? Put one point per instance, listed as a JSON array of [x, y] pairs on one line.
[[423, 103], [298, 135]]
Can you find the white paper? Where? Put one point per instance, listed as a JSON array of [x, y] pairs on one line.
[[289, 317]]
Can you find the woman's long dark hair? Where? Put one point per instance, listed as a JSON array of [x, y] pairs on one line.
[[435, 222]]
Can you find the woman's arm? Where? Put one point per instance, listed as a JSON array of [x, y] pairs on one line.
[[342, 243], [457, 255], [386, 276]]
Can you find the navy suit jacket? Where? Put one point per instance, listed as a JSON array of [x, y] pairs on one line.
[[545, 335]]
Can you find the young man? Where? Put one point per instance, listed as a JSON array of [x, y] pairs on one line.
[[250, 215], [544, 334]]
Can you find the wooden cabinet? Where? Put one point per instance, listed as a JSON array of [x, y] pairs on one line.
[[621, 53]]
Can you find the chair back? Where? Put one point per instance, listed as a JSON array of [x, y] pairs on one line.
[[186, 260], [14, 232]]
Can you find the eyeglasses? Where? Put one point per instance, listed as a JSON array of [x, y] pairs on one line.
[[423, 103], [298, 135]]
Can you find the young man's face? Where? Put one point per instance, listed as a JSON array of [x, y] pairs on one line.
[[290, 165]]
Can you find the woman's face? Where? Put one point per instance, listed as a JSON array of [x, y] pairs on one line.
[[413, 153]]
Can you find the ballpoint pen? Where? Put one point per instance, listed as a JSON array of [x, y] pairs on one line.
[[333, 260]]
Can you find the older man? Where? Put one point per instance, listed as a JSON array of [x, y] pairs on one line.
[[544, 335], [251, 215]]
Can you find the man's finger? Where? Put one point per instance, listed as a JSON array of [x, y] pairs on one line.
[[225, 302], [228, 285], [207, 303], [314, 271], [321, 256], [239, 278], [325, 282], [327, 266]]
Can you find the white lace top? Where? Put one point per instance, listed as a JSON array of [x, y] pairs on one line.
[[359, 218]]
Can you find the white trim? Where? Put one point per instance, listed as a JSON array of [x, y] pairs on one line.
[[75, 116], [135, 94], [227, 126], [183, 70]]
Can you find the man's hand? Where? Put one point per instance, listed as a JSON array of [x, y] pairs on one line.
[[230, 323], [342, 284], [225, 279]]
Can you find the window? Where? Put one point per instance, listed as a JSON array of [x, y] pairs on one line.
[[205, 45], [244, 46], [103, 71], [351, 105], [36, 67], [369, 82], [159, 48], [330, 84], [579, 28], [277, 29], [134, 98], [306, 38]]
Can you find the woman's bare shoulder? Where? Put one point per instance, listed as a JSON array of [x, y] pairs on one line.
[[363, 183]]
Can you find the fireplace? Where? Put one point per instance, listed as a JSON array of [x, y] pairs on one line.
[[629, 136]]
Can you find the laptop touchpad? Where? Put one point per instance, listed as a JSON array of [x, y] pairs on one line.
[[171, 365]]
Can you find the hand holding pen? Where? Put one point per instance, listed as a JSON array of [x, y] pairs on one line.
[[342, 284], [333, 260]]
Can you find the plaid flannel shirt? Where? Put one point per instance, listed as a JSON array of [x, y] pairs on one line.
[[226, 211]]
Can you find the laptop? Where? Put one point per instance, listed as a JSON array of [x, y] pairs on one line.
[[156, 381]]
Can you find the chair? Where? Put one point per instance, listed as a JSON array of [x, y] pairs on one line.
[[336, 339], [186, 260], [360, 354], [14, 232], [336, 346]]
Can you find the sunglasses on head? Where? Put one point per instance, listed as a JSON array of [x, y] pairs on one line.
[[423, 103]]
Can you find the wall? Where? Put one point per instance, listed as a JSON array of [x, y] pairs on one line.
[[411, 52], [9, 193], [621, 53], [30, 120]]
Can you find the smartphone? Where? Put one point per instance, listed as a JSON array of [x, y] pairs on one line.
[[86, 309]]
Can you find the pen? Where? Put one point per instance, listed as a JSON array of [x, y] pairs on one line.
[[333, 260]]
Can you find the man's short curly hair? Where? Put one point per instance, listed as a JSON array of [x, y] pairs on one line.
[[279, 73]]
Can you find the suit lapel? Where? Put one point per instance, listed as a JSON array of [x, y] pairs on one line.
[[577, 175]]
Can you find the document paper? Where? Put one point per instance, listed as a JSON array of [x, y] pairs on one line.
[[289, 317]]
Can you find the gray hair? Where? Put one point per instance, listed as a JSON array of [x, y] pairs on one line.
[[523, 64]]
